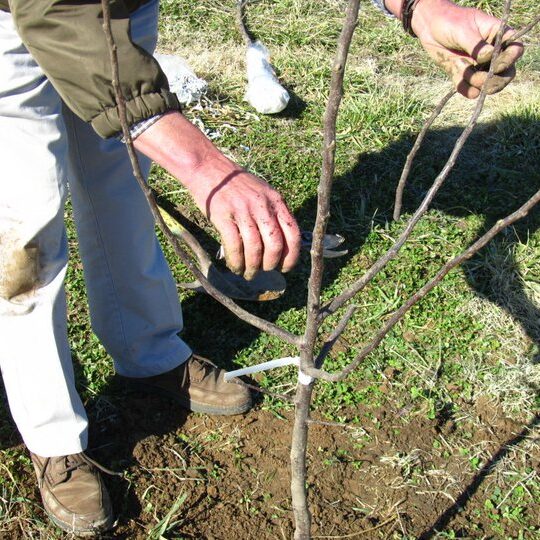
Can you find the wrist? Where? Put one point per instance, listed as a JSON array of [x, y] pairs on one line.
[[424, 11], [183, 150]]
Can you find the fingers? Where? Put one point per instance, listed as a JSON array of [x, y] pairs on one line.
[[233, 245], [510, 54], [500, 81], [253, 246], [469, 79], [466, 90], [506, 60], [271, 237], [273, 242], [260, 234], [466, 50], [291, 235], [504, 69], [477, 37], [482, 50]]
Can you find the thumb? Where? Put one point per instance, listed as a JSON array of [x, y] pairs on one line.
[[482, 52]]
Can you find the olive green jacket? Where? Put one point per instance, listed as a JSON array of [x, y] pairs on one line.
[[66, 39]]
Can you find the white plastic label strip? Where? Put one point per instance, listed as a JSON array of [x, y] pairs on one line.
[[272, 364]]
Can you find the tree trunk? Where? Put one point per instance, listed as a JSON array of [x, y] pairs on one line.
[[302, 516]]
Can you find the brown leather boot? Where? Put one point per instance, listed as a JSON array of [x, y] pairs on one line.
[[73, 493], [198, 385]]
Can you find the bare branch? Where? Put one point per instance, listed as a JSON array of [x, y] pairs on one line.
[[357, 286], [334, 336], [391, 253], [248, 37], [315, 315], [302, 516], [241, 313], [520, 33], [396, 317], [412, 154], [327, 178]]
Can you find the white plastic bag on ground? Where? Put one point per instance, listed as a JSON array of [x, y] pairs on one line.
[[182, 80], [264, 92]]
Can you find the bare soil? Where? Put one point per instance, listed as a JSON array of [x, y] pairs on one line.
[[400, 473]]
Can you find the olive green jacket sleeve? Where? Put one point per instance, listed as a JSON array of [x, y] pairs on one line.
[[66, 39]]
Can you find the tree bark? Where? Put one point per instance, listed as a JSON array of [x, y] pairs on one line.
[[302, 515]]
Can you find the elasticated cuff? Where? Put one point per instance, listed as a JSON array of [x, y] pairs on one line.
[[107, 123]]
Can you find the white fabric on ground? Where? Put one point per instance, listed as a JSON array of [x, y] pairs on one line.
[[264, 92], [182, 80]]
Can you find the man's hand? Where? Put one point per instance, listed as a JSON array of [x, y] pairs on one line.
[[256, 227], [461, 41]]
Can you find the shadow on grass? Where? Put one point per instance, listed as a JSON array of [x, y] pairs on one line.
[[497, 172], [296, 106], [467, 494], [120, 417]]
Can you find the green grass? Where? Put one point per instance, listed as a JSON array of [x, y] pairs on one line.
[[475, 337]]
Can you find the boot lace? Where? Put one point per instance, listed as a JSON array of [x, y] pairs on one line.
[[206, 366], [74, 462]]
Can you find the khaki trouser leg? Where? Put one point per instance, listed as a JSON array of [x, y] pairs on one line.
[[133, 298], [34, 352]]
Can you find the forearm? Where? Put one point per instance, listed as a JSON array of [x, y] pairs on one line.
[[394, 6], [184, 151]]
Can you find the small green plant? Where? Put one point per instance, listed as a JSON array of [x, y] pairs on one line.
[[169, 522]]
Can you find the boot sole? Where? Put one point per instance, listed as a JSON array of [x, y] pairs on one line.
[[105, 525], [190, 405]]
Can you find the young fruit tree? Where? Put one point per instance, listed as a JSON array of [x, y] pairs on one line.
[[311, 355]]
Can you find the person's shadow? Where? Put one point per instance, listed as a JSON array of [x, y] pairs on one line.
[[497, 172]]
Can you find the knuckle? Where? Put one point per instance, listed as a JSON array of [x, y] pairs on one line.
[[232, 244], [279, 200], [234, 251], [295, 244], [255, 251], [274, 250]]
